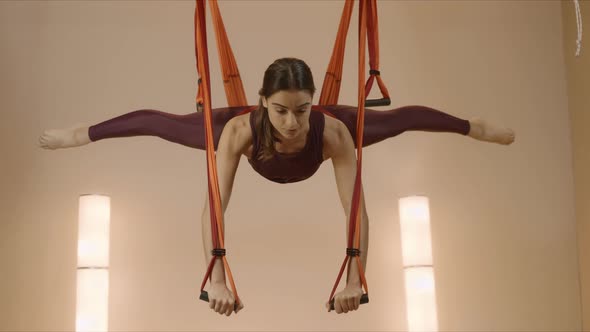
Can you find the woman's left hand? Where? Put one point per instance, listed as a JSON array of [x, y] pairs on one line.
[[347, 300]]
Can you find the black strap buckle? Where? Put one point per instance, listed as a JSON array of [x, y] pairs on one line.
[[353, 252], [374, 72], [218, 252]]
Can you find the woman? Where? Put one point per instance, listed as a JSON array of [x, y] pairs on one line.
[[285, 141]]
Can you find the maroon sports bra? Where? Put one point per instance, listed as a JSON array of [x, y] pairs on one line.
[[292, 167]]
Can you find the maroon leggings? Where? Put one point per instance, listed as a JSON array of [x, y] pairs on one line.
[[188, 129]]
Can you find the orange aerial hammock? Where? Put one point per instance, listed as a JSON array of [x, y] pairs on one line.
[[234, 91]]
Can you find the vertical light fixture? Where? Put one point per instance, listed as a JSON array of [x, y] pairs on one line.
[[92, 296], [414, 216]]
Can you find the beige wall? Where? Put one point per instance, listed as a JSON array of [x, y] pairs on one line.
[[578, 81], [503, 225]]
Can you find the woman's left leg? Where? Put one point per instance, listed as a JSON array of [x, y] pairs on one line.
[[380, 125]]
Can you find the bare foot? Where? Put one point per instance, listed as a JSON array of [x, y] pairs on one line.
[[484, 131], [76, 135]]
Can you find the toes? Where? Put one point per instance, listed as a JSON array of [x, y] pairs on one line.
[[42, 142]]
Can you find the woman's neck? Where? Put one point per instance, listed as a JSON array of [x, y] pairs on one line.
[[291, 144]]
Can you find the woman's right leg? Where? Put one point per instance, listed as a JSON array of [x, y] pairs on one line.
[[185, 129]]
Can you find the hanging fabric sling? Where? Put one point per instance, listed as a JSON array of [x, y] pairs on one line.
[[368, 25], [235, 96], [204, 102], [331, 87]]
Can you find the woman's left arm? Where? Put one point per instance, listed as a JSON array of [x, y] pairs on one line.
[[342, 152]]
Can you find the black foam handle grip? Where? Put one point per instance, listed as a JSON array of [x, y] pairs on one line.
[[377, 102], [364, 299], [205, 297]]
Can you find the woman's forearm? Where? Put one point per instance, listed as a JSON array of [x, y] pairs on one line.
[[353, 277], [218, 272]]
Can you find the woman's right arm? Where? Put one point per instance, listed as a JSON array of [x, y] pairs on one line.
[[232, 143]]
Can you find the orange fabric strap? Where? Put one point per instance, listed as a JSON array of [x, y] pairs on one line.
[[373, 40], [354, 222], [331, 86], [232, 82], [204, 98]]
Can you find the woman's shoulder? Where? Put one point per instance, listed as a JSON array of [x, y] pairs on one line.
[[333, 136], [240, 132], [240, 123]]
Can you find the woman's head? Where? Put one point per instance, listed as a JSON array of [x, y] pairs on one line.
[[285, 103]]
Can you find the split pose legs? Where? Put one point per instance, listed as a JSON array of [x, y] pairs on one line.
[[188, 129]]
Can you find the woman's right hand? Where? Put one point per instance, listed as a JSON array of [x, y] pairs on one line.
[[222, 300]]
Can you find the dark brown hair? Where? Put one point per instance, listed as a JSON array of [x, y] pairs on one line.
[[283, 74]]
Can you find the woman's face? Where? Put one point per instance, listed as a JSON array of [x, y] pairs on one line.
[[288, 111]]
